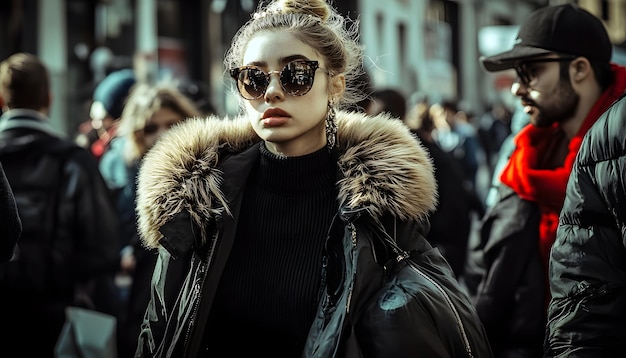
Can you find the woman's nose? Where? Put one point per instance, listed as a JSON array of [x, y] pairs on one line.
[[274, 90]]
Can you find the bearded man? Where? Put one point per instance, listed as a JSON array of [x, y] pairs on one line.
[[566, 80]]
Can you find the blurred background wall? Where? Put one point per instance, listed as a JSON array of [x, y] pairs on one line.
[[421, 47]]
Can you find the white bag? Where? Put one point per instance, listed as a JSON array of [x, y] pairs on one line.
[[87, 334]]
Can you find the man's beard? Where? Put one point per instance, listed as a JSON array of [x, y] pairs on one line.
[[561, 107]]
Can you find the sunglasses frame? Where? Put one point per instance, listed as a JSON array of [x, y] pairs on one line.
[[522, 73], [313, 64]]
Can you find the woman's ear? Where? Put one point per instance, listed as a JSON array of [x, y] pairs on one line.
[[337, 86]]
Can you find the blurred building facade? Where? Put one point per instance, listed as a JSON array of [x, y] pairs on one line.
[[423, 47]]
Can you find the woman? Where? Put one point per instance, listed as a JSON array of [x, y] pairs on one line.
[[296, 229], [150, 111]]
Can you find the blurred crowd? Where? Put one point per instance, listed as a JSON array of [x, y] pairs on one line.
[[76, 198]]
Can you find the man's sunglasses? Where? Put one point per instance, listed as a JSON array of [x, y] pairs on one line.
[[525, 74], [296, 79]]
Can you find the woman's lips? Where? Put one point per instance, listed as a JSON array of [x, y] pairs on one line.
[[274, 117], [274, 121]]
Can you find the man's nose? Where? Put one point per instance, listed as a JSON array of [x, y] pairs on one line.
[[518, 89]]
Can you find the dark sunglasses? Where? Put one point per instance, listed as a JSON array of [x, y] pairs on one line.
[[296, 79], [523, 72]]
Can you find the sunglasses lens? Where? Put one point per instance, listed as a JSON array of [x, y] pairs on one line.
[[252, 83], [522, 75], [297, 78]]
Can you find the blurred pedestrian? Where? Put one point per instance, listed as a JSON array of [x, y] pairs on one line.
[[562, 57], [105, 110], [69, 223], [199, 93], [454, 199], [149, 112], [519, 120], [296, 225], [455, 134], [10, 225], [387, 100], [587, 313], [493, 129], [457, 203], [474, 270]]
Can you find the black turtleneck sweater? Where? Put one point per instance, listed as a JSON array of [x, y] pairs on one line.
[[269, 290]]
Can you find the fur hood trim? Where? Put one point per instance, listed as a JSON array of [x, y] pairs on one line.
[[385, 170]]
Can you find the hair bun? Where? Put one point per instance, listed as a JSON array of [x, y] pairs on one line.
[[316, 8]]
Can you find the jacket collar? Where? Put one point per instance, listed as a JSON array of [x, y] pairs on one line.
[[384, 170], [29, 119]]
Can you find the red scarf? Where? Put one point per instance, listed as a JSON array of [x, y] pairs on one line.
[[547, 186]]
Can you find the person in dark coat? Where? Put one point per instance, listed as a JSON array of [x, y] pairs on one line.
[[296, 225], [587, 313], [456, 134], [565, 81], [69, 237], [10, 223]]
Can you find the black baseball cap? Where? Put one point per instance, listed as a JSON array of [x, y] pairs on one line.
[[565, 29]]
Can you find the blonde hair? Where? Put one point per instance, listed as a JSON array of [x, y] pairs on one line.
[[144, 100], [318, 25]]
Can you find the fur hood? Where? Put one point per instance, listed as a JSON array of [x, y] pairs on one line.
[[384, 169]]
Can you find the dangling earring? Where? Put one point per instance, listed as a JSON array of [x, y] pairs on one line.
[[331, 127]]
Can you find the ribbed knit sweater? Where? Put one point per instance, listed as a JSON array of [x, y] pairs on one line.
[[270, 287]]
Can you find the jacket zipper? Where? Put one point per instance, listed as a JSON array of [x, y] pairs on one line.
[[197, 289], [353, 237], [459, 322]]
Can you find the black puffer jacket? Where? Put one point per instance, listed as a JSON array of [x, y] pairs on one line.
[[587, 313], [388, 292]]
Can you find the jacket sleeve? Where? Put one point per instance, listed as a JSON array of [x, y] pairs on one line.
[[510, 236], [420, 311], [176, 272], [408, 331], [155, 318], [10, 224]]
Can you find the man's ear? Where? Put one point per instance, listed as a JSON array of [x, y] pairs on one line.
[[580, 69], [337, 86]]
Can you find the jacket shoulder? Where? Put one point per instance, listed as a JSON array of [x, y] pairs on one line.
[[181, 172], [605, 140]]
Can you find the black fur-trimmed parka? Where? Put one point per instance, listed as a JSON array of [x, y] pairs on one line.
[[392, 293]]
